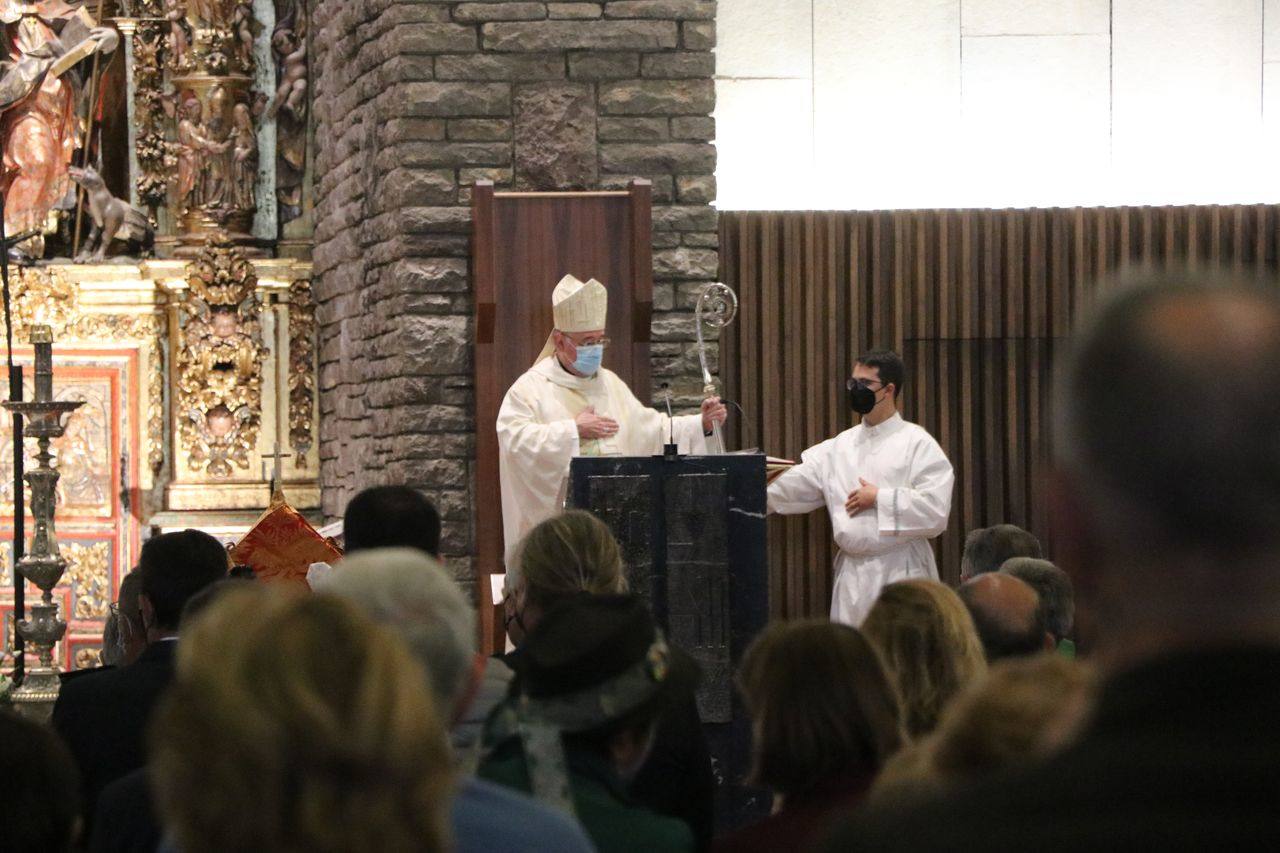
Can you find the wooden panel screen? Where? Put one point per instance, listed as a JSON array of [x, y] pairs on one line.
[[978, 303], [522, 244]]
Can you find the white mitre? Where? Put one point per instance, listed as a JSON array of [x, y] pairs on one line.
[[578, 306]]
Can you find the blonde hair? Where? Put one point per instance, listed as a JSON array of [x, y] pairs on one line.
[[927, 640], [1024, 709], [567, 554], [295, 723], [821, 704]]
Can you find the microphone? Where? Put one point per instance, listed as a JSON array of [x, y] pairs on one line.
[[670, 450]]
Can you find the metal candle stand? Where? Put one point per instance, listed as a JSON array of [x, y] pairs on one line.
[[43, 565]]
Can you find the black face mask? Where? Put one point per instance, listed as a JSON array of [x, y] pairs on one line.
[[861, 398]]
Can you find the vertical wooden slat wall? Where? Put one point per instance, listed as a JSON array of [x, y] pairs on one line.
[[978, 302]]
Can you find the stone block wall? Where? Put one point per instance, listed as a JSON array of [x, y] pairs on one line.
[[415, 102]]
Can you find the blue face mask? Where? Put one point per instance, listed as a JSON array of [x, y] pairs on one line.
[[589, 358]]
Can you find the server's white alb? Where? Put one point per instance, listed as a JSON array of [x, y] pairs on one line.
[[889, 542], [537, 435]]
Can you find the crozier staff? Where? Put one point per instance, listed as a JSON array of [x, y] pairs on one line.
[[567, 405]]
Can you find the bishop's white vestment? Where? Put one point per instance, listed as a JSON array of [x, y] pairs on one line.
[[885, 543], [537, 436]]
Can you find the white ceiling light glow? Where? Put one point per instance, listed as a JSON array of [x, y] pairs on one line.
[[871, 104]]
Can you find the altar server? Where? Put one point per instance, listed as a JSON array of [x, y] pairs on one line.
[[886, 484], [567, 405]]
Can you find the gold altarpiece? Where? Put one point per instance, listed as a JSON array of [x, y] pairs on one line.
[[192, 347], [196, 376]]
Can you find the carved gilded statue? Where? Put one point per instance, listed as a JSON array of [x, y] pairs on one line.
[[214, 76], [197, 149], [179, 44], [39, 98], [220, 363], [289, 106], [244, 158]]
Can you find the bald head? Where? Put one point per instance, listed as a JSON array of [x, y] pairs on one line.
[[1007, 614], [1168, 471], [1172, 401]]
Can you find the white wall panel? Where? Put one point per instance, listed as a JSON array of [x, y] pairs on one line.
[[1271, 31], [1270, 189], [764, 144], [1036, 122], [886, 99], [1035, 17], [926, 103], [1187, 97], [764, 38]]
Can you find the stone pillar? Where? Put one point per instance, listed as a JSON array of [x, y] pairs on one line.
[[414, 103], [128, 27]]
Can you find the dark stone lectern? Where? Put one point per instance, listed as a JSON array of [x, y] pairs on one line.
[[692, 530]]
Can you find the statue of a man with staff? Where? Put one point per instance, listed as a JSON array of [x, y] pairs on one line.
[[41, 112]]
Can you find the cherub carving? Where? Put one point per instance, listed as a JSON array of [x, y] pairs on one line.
[[291, 93], [242, 25], [178, 43]]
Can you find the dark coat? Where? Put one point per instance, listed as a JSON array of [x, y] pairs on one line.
[[676, 779], [126, 820], [1183, 753], [614, 822], [103, 718], [803, 819]]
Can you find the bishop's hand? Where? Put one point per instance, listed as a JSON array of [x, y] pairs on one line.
[[713, 412], [862, 498], [591, 425]]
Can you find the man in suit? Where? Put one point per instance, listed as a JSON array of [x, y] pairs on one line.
[[103, 717], [1167, 493], [391, 517]]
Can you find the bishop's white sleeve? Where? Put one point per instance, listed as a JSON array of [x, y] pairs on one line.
[[533, 464], [656, 427], [921, 510], [544, 445], [689, 436], [802, 488]]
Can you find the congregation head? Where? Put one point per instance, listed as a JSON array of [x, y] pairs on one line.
[[1026, 708], [391, 517], [414, 596], [1008, 615], [293, 720], [39, 786], [1052, 584], [987, 548], [570, 553], [599, 670], [173, 567], [822, 706], [928, 643], [129, 635], [1167, 479]]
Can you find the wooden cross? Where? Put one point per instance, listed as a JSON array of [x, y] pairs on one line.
[[275, 471]]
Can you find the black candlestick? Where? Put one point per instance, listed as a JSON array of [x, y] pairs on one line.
[[19, 492]]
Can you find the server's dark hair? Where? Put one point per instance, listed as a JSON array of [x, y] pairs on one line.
[[890, 367]]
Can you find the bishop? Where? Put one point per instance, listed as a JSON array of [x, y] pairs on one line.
[[568, 405]]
